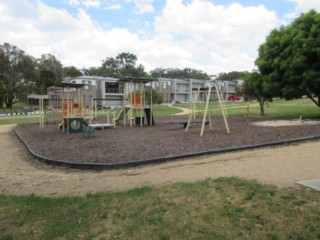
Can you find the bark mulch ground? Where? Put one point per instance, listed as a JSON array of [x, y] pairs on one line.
[[127, 144]]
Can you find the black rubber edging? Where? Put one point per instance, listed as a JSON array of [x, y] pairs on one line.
[[97, 166]]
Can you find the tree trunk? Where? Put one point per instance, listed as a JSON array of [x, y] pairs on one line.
[[9, 102], [261, 109]]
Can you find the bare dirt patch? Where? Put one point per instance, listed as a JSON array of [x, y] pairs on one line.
[[282, 123]]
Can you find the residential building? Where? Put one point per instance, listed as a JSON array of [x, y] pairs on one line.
[[106, 91], [109, 92]]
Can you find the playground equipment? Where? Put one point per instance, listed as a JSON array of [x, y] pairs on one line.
[[42, 114], [206, 116], [111, 115], [72, 107], [136, 107]]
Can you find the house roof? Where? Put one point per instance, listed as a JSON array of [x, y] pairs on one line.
[[133, 79], [72, 85]]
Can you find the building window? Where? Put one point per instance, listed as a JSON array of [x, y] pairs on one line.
[[113, 87]]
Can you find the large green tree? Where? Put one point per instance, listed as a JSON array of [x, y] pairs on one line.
[[290, 58], [17, 69]]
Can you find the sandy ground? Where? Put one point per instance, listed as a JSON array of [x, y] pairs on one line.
[[20, 174]]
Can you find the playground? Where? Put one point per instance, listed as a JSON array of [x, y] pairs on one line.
[[161, 142], [282, 166]]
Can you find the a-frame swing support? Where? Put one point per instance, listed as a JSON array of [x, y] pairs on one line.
[[207, 110]]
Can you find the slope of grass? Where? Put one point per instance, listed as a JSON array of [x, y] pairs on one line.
[[227, 208], [278, 108]]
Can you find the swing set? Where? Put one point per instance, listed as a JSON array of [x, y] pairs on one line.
[[206, 116]]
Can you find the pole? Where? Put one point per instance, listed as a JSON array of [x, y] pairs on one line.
[[222, 110], [206, 110]]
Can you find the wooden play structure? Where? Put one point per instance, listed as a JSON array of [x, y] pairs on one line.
[[72, 108], [206, 115], [42, 111], [137, 106], [110, 115]]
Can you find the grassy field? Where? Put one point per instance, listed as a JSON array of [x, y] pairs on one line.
[[278, 108], [227, 208]]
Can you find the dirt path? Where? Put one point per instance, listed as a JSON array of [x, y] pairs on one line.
[[185, 111], [282, 166]]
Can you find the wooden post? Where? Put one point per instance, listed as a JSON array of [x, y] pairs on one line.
[[141, 103], [224, 106], [151, 108], [132, 104], [41, 117], [222, 110], [206, 110], [193, 109], [62, 109]]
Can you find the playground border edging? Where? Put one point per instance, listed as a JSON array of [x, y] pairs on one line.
[[97, 166]]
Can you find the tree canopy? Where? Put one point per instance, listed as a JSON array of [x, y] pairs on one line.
[[290, 58], [124, 65], [231, 75], [50, 72], [16, 71], [179, 73], [71, 71]]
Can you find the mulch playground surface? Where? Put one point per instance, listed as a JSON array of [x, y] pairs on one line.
[[130, 144]]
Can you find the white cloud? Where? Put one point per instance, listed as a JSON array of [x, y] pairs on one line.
[[306, 5], [142, 6], [114, 6], [91, 3], [200, 35], [301, 6], [220, 37], [73, 2]]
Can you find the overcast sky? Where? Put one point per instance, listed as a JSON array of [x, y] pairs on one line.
[[211, 35]]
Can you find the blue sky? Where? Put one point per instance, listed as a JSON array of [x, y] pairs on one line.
[[210, 35]]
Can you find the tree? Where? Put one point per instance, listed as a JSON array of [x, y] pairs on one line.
[[290, 58], [231, 75], [71, 71], [157, 97], [93, 71], [179, 73], [256, 86], [50, 72], [16, 70], [124, 65], [2, 94]]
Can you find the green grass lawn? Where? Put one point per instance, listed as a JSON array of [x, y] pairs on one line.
[[278, 108], [227, 208]]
